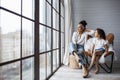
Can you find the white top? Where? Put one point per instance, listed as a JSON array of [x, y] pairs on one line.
[[99, 43], [88, 44], [77, 39]]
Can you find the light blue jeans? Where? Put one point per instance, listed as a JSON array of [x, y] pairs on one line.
[[79, 49]]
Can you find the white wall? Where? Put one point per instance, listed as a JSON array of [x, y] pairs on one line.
[[99, 14]]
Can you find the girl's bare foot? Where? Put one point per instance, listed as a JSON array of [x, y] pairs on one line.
[[96, 71]]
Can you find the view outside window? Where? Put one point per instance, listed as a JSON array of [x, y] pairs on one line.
[[16, 39], [8, 4], [10, 71], [17, 28], [9, 36]]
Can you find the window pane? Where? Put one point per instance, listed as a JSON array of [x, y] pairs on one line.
[[28, 69], [48, 15], [14, 5], [45, 38], [55, 59], [62, 46], [62, 24], [62, 54], [28, 8], [45, 65], [10, 71], [62, 40], [62, 10], [10, 36], [56, 4], [55, 20], [42, 38], [43, 69], [55, 39], [42, 11], [27, 37], [48, 63], [48, 39]]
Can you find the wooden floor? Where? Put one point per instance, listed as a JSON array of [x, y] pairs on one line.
[[65, 73]]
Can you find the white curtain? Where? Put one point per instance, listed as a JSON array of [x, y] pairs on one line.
[[68, 29]]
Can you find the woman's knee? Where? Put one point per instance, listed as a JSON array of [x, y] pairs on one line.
[[72, 47]]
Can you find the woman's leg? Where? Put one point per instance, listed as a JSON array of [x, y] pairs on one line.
[[85, 71], [82, 62], [73, 48], [80, 50]]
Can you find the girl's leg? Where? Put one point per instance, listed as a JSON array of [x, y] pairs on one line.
[[92, 61], [98, 54], [97, 64]]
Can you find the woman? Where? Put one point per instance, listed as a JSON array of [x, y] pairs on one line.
[[77, 46]]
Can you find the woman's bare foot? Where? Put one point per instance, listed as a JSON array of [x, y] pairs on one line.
[[86, 72], [85, 75]]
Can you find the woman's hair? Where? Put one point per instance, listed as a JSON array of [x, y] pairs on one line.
[[83, 22], [101, 33]]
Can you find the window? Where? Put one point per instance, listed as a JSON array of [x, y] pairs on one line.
[[10, 36], [17, 39]]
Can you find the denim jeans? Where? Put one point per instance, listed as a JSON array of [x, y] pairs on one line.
[[79, 49]]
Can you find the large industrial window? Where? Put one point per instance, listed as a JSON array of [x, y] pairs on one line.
[[18, 37]]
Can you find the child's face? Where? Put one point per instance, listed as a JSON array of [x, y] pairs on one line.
[[96, 34], [80, 28]]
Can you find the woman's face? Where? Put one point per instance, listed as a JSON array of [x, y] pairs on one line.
[[81, 28]]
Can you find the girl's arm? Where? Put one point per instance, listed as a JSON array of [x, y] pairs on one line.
[[106, 48], [92, 48]]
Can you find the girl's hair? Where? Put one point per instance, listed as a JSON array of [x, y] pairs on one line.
[[83, 22], [101, 33]]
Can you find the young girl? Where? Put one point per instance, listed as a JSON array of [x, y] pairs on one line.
[[99, 46]]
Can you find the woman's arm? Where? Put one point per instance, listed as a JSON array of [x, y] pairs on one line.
[[89, 31], [74, 40]]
